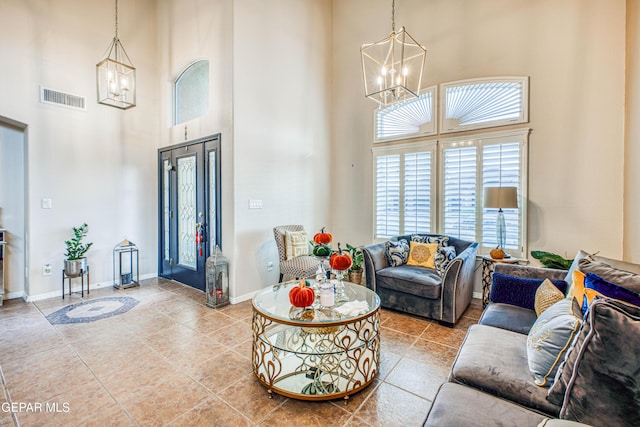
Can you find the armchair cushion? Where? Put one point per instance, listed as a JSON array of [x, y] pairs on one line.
[[519, 291], [296, 244], [422, 254], [444, 255], [412, 280], [422, 238], [397, 252]]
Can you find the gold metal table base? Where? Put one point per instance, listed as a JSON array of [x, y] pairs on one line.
[[295, 362]]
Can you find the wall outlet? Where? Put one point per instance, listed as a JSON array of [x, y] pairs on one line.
[[270, 266], [47, 270], [46, 204], [255, 204]]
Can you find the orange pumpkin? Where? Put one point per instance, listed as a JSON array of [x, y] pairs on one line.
[[340, 261], [322, 238], [497, 253], [302, 295]]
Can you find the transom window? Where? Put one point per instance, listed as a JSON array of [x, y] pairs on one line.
[[191, 92], [415, 117]]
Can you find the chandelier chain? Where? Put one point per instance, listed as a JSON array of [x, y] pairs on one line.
[[116, 19], [393, 15]]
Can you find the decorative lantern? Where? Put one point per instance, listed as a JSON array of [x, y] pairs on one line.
[[125, 265], [217, 279]]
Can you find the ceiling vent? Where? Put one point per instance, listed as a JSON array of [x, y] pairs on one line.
[[50, 96]]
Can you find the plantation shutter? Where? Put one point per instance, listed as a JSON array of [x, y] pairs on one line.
[[417, 192], [410, 118], [459, 199], [501, 168], [387, 195], [484, 103]]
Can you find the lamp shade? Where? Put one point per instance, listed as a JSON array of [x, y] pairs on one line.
[[501, 197]]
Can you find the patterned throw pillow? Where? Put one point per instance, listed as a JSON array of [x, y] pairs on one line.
[[440, 240], [444, 255], [397, 252], [295, 244], [422, 254], [546, 295], [550, 337], [596, 286]]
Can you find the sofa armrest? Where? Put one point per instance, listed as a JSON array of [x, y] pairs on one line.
[[457, 284], [375, 258], [530, 272]]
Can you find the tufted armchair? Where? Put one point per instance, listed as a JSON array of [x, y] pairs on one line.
[[298, 267], [419, 290]]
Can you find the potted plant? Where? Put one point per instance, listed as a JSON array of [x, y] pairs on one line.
[[75, 262], [355, 272]]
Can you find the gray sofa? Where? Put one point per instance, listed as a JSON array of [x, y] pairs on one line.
[[598, 383], [421, 291]]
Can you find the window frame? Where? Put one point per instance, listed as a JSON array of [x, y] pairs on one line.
[[479, 141], [445, 127], [174, 90]]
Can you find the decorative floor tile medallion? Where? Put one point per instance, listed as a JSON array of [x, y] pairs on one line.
[[89, 311]]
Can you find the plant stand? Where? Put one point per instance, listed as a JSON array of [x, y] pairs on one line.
[[82, 274]]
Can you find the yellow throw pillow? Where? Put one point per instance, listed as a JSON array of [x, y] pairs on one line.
[[546, 295], [422, 254], [295, 243], [577, 286]]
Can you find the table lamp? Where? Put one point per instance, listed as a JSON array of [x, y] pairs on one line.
[[499, 198]]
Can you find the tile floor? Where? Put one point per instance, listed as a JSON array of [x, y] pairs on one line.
[[172, 361]]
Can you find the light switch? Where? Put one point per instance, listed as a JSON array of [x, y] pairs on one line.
[[255, 204], [46, 204]]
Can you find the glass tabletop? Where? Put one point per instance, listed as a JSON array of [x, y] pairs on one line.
[[274, 302]]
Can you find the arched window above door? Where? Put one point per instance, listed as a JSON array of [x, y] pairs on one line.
[[191, 92]]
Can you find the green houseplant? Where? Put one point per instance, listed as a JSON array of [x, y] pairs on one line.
[[355, 272], [75, 262], [551, 260]]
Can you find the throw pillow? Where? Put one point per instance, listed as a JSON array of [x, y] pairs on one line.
[[295, 244], [422, 254], [546, 296], [598, 383], [520, 291], [577, 286], [595, 286], [444, 255], [550, 337], [440, 240], [610, 274], [397, 252]]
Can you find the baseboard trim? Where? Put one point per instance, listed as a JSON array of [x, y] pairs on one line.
[[75, 288], [242, 298]]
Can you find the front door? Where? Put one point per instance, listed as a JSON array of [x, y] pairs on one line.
[[189, 209]]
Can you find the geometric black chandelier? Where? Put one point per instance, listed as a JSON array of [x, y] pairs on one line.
[[116, 75], [392, 68]]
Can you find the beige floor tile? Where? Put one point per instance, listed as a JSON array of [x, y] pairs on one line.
[[391, 406], [250, 398], [437, 358], [444, 335], [209, 413], [222, 371], [417, 378], [410, 325], [294, 413], [395, 342]]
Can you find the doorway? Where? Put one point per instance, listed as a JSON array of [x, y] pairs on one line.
[[12, 209], [189, 223]]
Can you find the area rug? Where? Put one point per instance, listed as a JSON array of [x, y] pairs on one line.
[[90, 311]]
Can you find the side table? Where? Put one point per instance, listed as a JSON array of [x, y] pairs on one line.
[[488, 264]]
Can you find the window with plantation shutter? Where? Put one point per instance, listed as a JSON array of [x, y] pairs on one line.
[[404, 189], [459, 196], [414, 117], [417, 192], [501, 168], [469, 165], [437, 185], [475, 104], [387, 170]]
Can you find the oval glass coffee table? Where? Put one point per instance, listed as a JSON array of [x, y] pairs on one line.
[[316, 353]]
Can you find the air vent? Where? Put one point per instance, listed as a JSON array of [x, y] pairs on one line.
[[50, 96]]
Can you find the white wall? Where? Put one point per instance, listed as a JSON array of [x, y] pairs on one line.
[[282, 105], [632, 136], [574, 53], [99, 165], [12, 207]]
